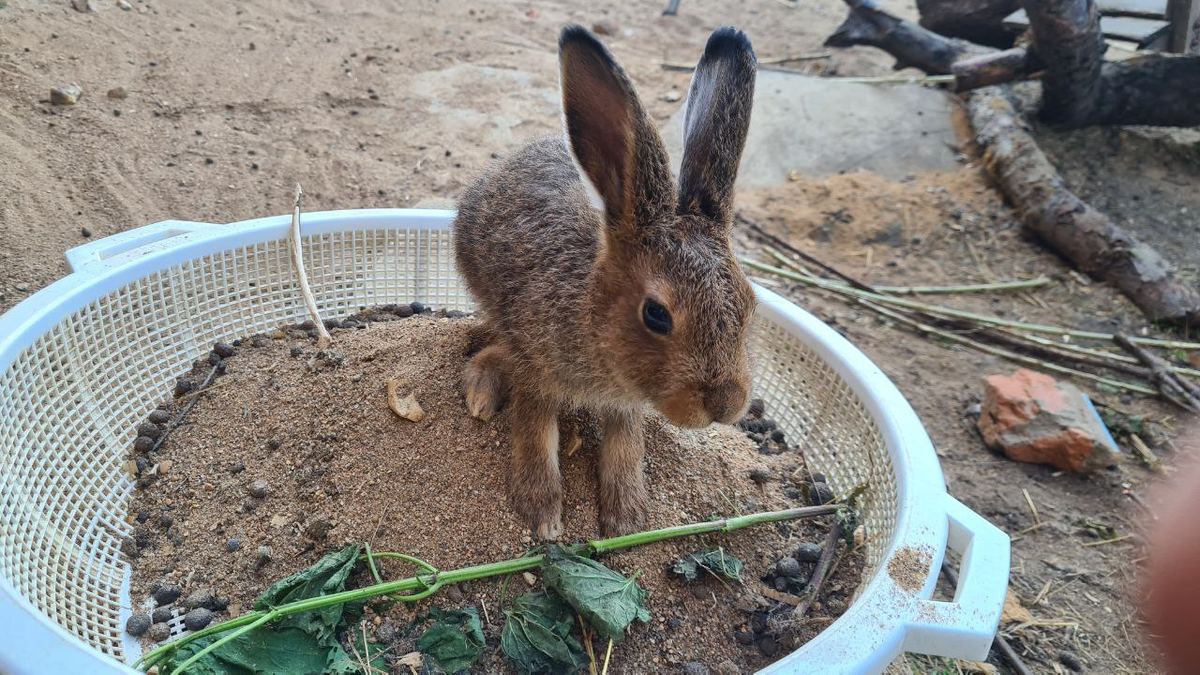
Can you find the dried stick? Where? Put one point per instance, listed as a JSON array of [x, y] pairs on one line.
[[960, 314], [1172, 387], [212, 373], [297, 251], [1002, 645], [1004, 353], [1010, 285], [820, 572], [828, 269]]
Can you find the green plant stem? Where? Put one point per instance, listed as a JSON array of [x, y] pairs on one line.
[[434, 581], [960, 314]]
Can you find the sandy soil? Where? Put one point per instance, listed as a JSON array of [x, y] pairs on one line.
[[375, 104]]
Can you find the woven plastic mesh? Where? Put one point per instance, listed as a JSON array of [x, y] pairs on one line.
[[69, 402]]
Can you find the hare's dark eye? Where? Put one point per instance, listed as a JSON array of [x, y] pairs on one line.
[[656, 317]]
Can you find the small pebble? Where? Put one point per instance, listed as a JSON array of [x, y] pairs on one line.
[[220, 603], [821, 493], [744, 638], [237, 467], [769, 425], [143, 444], [778, 435], [455, 314], [129, 547], [767, 645], [138, 624], [197, 619], [262, 555], [118, 93], [808, 552], [166, 594], [530, 580], [403, 311], [149, 430], [788, 567], [162, 615], [1071, 661], [418, 307], [296, 351], [258, 489], [727, 667], [184, 387], [760, 475], [317, 528], [224, 350], [159, 632], [274, 443], [604, 28], [455, 594], [781, 584], [84, 231], [66, 95], [159, 417], [674, 623], [694, 668]]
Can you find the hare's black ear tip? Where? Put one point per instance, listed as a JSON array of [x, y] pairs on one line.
[[728, 42], [574, 34]]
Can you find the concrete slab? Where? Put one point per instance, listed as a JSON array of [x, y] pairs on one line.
[[821, 126]]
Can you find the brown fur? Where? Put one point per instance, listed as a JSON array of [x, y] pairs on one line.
[[561, 285]]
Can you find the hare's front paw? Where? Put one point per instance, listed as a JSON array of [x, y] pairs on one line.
[[485, 384], [541, 509], [623, 507]]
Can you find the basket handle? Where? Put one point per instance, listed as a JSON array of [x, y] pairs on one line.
[[98, 252], [965, 627]]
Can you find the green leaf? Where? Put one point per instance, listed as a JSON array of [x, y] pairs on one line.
[[537, 636], [608, 601], [455, 642], [715, 560], [265, 651], [297, 644], [327, 576]]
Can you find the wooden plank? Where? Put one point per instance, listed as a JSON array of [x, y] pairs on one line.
[[1185, 26], [1131, 28], [1120, 50], [1146, 9]]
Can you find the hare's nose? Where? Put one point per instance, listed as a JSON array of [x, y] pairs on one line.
[[726, 401]]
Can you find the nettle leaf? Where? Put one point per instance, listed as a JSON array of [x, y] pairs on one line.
[[537, 636], [715, 560], [608, 601], [455, 642], [327, 576], [300, 643]]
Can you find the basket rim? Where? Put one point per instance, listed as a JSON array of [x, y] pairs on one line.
[[884, 620]]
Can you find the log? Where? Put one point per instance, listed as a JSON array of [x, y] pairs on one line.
[[1083, 235], [912, 45], [979, 21], [1080, 89], [986, 70]]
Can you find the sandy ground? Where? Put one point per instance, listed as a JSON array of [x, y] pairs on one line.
[[375, 103]]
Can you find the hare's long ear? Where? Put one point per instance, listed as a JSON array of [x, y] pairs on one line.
[[617, 149], [715, 125]]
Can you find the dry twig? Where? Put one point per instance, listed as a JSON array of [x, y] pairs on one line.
[[1002, 645], [297, 251], [1172, 387], [820, 572]]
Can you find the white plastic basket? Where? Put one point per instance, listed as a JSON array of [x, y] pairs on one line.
[[87, 357]]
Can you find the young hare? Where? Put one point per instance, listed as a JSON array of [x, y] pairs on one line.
[[601, 285]]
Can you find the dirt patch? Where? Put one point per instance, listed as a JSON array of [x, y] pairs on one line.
[[297, 451], [910, 567]]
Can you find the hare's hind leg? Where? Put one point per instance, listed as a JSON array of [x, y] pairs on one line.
[[536, 486], [622, 484], [485, 382]]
